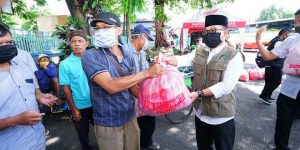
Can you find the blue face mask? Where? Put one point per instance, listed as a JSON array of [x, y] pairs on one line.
[[146, 44], [105, 38]]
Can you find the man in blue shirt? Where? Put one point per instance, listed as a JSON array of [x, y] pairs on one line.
[[46, 74], [136, 48], [76, 89], [109, 68], [20, 119]]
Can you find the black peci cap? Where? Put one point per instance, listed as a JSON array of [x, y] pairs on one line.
[[216, 20], [106, 17], [80, 33]]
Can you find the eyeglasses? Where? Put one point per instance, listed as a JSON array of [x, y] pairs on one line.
[[205, 32], [146, 37], [103, 27]]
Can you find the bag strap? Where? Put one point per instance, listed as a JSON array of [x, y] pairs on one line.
[[117, 65]]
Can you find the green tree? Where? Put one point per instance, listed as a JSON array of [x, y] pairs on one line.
[[83, 8], [63, 32], [28, 15], [274, 13]]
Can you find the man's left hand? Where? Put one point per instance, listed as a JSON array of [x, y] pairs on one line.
[[193, 96], [259, 32], [47, 99]]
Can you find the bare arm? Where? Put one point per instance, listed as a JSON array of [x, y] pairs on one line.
[[56, 86], [169, 60], [5, 123], [26, 118], [115, 85], [266, 55], [45, 98], [207, 92], [69, 98], [75, 112]]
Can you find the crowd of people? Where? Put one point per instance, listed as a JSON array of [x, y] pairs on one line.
[[101, 85]]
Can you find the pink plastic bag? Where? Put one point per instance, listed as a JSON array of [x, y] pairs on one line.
[[163, 94], [292, 62], [244, 76], [256, 74]]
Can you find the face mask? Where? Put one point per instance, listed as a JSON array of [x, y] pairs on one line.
[[151, 44], [7, 53], [105, 38], [44, 63], [146, 44], [212, 40], [297, 29]]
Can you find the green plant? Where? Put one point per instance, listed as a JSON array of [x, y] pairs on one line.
[[26, 17]]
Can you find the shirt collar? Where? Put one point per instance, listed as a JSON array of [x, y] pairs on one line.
[[218, 49], [13, 61], [132, 48], [73, 57], [106, 51]]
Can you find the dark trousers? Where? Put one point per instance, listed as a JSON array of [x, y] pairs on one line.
[[222, 136], [273, 77], [82, 127], [147, 127], [286, 111]]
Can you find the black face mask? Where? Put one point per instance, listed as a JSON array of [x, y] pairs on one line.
[[297, 29], [7, 53], [212, 40]]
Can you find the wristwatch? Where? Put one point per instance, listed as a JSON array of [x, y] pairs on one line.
[[200, 95]]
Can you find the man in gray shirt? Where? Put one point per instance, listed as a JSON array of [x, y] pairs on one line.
[[288, 101]]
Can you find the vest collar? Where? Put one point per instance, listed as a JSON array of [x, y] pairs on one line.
[[217, 49]]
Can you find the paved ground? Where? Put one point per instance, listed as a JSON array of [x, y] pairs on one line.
[[255, 124]]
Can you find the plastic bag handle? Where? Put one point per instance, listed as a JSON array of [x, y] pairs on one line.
[[160, 58], [160, 55]]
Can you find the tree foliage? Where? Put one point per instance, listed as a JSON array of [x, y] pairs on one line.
[[28, 14], [274, 13], [83, 8], [63, 32]]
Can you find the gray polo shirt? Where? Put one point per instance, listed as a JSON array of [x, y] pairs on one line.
[[291, 85]]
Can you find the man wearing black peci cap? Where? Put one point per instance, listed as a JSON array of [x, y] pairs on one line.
[[217, 70], [109, 68]]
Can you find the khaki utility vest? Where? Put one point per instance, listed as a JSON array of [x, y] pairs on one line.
[[206, 75]]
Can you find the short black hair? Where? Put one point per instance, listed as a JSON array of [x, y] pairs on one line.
[[4, 29], [297, 12], [285, 30]]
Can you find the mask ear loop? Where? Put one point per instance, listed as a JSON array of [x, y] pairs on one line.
[[144, 37], [130, 37]]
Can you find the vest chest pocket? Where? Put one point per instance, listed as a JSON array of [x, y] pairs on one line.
[[199, 64], [216, 71]]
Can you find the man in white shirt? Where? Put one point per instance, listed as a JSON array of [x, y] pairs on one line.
[[288, 101], [217, 69], [273, 69]]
